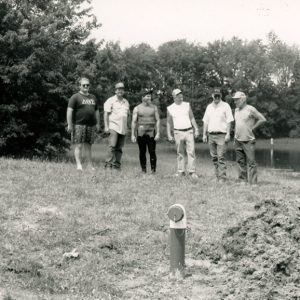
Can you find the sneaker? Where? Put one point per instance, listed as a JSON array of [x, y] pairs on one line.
[[194, 175], [243, 183], [179, 174], [90, 167]]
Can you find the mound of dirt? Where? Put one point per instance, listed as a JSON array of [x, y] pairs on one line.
[[262, 254]]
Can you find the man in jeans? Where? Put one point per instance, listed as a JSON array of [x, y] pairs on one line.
[[216, 131], [185, 129], [145, 124], [116, 113], [247, 119]]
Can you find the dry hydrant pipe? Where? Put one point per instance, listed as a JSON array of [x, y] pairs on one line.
[[177, 216]]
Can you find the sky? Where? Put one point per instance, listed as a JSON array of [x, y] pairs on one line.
[[200, 21]]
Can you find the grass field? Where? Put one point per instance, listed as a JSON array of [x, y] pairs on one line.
[[118, 224]]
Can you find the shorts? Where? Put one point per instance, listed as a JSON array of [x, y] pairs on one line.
[[82, 134]]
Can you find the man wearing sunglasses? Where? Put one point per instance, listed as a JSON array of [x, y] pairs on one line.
[[116, 116], [83, 120], [216, 131]]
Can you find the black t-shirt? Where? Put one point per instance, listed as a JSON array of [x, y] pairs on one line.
[[84, 109]]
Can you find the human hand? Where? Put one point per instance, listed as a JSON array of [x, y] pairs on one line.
[[98, 128], [106, 129], [70, 128], [227, 138], [204, 138], [133, 139], [196, 134], [157, 137], [171, 139]]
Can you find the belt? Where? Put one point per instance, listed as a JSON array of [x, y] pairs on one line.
[[217, 132], [185, 129]]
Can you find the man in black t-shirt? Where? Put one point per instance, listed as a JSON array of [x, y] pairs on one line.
[[83, 120]]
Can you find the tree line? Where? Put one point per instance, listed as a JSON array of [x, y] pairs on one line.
[[45, 48]]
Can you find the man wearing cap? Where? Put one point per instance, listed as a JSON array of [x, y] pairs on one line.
[[145, 129], [216, 131], [83, 120], [247, 119], [185, 129], [116, 113]]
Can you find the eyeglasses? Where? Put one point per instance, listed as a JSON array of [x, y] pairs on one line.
[[217, 96], [85, 85]]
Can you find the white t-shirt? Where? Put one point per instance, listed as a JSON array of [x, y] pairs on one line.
[[180, 114], [217, 117]]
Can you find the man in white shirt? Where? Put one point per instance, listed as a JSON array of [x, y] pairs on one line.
[[216, 131], [247, 119], [116, 113], [185, 129]]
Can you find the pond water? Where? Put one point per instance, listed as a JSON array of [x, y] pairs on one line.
[[272, 158]]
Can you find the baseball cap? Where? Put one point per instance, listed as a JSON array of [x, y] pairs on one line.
[[176, 92], [217, 91], [238, 95], [120, 85]]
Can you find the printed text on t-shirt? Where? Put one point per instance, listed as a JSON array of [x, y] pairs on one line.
[[88, 101]]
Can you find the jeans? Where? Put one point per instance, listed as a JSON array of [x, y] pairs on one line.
[[145, 142], [217, 148], [116, 143], [245, 157], [185, 150]]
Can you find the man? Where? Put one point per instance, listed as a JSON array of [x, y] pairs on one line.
[[247, 119], [116, 112], [145, 118], [83, 120], [216, 131], [185, 129]]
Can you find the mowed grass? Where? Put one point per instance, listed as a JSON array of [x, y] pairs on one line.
[[117, 222]]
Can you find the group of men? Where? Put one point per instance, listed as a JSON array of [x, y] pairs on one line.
[[83, 120]]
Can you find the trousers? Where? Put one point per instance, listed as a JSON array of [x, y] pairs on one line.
[[245, 157], [145, 142]]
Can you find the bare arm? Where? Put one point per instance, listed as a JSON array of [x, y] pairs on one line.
[[128, 119], [204, 138], [133, 125], [157, 118], [260, 119], [169, 123], [227, 137], [97, 113], [70, 119], [106, 127], [194, 124]]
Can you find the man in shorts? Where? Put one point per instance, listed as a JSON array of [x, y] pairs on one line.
[[83, 120], [116, 117], [145, 129]]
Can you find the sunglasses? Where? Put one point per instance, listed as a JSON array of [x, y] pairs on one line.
[[85, 85]]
